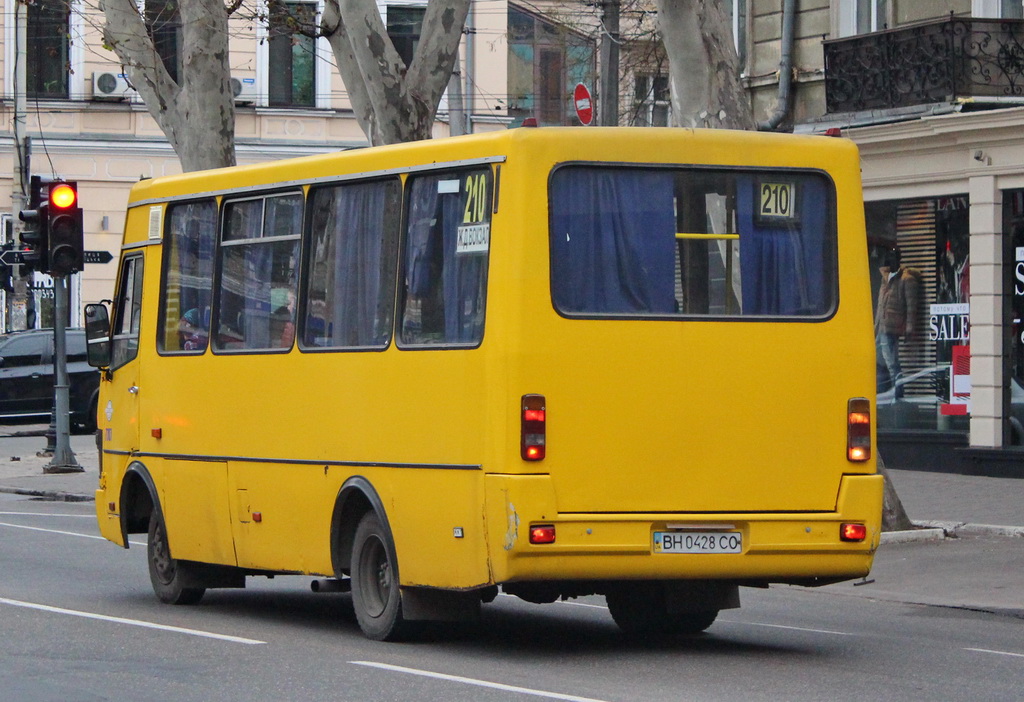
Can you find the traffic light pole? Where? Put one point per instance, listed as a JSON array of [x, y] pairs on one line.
[[63, 457]]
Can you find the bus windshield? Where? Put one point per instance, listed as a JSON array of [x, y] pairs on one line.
[[642, 241]]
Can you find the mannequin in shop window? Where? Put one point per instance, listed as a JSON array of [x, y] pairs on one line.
[[896, 317]]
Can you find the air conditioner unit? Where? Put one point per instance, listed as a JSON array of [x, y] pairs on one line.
[[244, 90], [107, 85]]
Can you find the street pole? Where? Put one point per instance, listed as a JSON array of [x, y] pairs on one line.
[[17, 314], [608, 115], [63, 457]]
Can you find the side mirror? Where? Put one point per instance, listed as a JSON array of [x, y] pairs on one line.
[[97, 335]]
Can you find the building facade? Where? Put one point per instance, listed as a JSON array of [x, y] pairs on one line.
[[86, 124], [933, 94]]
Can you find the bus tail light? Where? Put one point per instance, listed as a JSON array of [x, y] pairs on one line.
[[858, 429], [542, 534], [533, 432], [853, 532]]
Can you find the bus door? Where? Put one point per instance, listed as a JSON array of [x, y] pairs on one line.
[[118, 413]]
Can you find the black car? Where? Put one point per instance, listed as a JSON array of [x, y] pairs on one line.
[[26, 378]]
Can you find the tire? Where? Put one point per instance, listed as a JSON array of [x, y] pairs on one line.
[[166, 573], [642, 611], [376, 596]]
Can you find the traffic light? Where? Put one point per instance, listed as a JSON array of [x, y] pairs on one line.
[[34, 237], [66, 249]]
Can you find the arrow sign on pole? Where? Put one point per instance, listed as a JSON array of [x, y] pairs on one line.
[[12, 258], [98, 257]]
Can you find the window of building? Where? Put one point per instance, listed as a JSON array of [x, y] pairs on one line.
[[48, 64], [862, 16], [643, 242], [350, 285], [922, 310], [163, 23], [292, 54], [652, 104], [404, 25], [446, 247], [545, 63], [189, 237], [1005, 9], [737, 10], [259, 265]]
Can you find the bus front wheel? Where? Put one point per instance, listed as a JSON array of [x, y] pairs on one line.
[[643, 611], [168, 574], [376, 596]]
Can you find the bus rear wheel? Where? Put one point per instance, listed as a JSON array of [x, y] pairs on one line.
[[643, 611], [376, 596], [168, 574]]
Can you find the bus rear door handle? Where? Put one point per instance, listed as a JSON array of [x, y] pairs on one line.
[[134, 389]]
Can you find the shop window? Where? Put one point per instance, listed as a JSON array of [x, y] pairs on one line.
[[920, 372], [189, 237], [545, 63], [48, 49], [292, 54]]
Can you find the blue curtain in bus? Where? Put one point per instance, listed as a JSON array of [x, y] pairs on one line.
[[783, 265], [613, 241], [359, 268]]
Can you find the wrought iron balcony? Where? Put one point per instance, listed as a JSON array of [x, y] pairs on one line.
[[925, 63]]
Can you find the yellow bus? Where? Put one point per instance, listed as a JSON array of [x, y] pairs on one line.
[[559, 362]]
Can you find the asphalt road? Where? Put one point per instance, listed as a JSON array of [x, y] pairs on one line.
[[79, 623]]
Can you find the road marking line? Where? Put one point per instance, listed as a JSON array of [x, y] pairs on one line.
[[791, 628], [130, 622], [474, 681], [1000, 653], [65, 533], [52, 531], [91, 515]]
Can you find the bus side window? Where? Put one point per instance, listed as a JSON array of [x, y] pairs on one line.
[[350, 287], [128, 315], [447, 244], [189, 239], [259, 269]]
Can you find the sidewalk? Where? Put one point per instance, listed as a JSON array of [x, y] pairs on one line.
[[972, 558]]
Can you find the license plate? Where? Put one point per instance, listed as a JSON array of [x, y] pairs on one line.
[[698, 542]]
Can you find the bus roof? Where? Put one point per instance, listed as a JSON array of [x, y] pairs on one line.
[[611, 144]]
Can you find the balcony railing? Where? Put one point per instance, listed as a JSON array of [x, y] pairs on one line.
[[925, 63]]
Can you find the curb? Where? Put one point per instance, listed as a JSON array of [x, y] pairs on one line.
[[50, 495], [957, 529], [912, 535]]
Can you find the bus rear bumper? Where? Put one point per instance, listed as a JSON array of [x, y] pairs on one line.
[[804, 548]]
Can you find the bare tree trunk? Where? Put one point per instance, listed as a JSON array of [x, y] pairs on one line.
[[196, 114], [394, 102], [703, 66], [894, 516]]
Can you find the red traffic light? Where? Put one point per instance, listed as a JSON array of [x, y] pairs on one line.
[[63, 196]]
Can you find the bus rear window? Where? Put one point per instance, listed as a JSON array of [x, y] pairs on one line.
[[692, 242]]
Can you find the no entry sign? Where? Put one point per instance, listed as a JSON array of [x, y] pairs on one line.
[[584, 106]]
